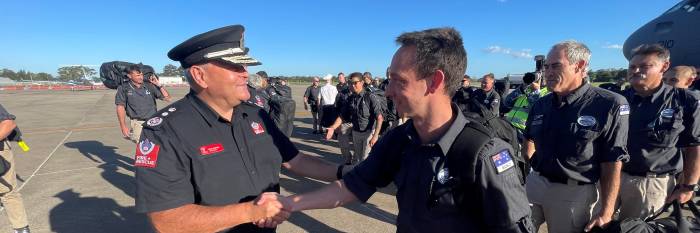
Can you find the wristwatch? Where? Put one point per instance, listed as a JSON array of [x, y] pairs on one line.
[[690, 187]]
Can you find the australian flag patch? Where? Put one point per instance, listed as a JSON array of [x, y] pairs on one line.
[[502, 161]]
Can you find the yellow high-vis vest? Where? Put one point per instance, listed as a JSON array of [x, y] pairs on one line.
[[521, 108]]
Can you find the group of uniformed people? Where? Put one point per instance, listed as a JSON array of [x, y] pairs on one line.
[[210, 162]]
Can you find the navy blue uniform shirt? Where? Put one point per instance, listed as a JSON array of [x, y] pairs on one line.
[[660, 125], [188, 154], [574, 134], [502, 197]]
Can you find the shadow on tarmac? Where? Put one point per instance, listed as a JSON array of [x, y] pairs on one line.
[[110, 163], [94, 214]]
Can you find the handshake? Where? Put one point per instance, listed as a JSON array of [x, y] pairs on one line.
[[271, 209]]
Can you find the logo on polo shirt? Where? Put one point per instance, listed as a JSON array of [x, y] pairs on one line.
[[154, 121], [257, 128], [667, 113], [586, 121], [146, 154]]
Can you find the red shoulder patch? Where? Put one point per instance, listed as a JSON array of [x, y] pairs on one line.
[[146, 154]]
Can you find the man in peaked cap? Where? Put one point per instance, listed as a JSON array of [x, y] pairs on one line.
[[204, 163]]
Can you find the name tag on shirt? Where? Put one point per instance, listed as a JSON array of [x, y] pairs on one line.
[[211, 149], [502, 161]]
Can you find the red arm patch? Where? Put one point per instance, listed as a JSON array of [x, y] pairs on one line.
[[146, 154]]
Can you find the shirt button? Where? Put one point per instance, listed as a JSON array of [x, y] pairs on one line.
[[252, 172]]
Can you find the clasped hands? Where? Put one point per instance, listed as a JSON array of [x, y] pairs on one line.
[[271, 209]]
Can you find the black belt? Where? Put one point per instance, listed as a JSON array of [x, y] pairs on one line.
[[566, 181], [649, 174]]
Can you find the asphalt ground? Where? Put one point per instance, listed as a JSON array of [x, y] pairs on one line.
[[78, 176]]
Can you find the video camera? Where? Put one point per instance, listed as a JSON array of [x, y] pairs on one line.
[[539, 68]]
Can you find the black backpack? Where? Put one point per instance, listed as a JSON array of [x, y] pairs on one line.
[[500, 128], [676, 223], [381, 96], [282, 109], [113, 74]]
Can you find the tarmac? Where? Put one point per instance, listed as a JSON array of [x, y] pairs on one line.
[[78, 176]]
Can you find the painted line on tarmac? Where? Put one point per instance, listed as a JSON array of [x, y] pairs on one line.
[[45, 160], [69, 170], [58, 146]]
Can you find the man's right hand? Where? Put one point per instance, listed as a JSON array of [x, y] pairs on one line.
[[270, 210], [306, 107], [126, 133], [329, 133]]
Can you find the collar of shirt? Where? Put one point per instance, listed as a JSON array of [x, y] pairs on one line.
[[133, 86], [573, 96], [653, 98], [445, 142], [209, 115]]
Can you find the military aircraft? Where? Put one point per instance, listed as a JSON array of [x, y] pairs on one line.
[[676, 29]]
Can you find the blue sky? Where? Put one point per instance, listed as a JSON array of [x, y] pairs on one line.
[[315, 37]]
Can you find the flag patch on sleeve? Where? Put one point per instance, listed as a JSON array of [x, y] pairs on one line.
[[146, 154], [502, 161], [624, 109]]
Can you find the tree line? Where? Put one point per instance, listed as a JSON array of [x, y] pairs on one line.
[[78, 74], [84, 73]]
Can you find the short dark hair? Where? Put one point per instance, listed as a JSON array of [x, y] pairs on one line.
[[133, 68], [438, 49], [652, 49], [467, 77], [262, 74], [355, 74], [340, 74]]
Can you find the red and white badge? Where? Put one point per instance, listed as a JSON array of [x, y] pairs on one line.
[[211, 149], [146, 154], [257, 128]]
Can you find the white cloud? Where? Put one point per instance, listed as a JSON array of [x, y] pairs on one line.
[[612, 46], [523, 53]]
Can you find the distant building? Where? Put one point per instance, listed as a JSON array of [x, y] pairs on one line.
[[7, 81], [166, 80]]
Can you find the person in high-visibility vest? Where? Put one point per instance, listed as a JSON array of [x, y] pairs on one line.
[[520, 100]]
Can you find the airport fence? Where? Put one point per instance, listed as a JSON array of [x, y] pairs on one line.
[[67, 87]]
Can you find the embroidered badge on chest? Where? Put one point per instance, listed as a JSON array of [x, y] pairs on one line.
[[502, 161], [667, 113], [154, 121], [211, 149], [257, 128], [146, 154], [586, 121]]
